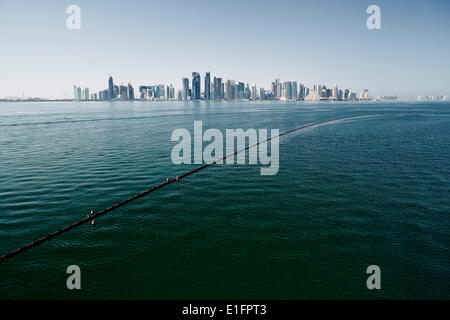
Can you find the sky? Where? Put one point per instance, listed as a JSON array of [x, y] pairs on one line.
[[255, 41]]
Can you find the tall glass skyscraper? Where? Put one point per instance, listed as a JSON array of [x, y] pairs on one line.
[[75, 93], [288, 90], [130, 92], [195, 86], [208, 86], [218, 88], [111, 89], [294, 90], [185, 91]]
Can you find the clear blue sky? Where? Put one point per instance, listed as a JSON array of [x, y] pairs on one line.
[[150, 42]]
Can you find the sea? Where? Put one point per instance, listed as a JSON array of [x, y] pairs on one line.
[[369, 191]]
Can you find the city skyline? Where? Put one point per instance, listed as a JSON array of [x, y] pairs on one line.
[[218, 89], [255, 41]]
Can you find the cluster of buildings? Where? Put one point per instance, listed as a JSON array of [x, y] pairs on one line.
[[432, 98], [113, 92], [157, 92], [217, 89]]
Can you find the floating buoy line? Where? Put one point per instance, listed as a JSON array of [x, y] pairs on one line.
[[93, 216]]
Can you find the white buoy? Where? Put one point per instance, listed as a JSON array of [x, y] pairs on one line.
[[93, 222]]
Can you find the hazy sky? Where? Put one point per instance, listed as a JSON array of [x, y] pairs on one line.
[[255, 41]]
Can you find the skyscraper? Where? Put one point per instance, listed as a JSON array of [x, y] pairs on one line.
[[254, 94], [294, 90], [208, 86], [130, 92], [195, 86], [75, 93], [302, 92], [276, 88], [218, 92], [230, 90], [247, 92], [103, 95], [334, 93], [280, 90], [288, 90], [110, 89], [262, 94], [123, 92], [85, 95], [222, 89], [365, 94], [161, 91], [185, 91], [240, 91], [170, 92]]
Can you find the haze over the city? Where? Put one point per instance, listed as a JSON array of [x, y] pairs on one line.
[[256, 41]]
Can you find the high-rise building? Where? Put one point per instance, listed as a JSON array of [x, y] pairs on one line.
[[195, 86], [236, 93], [111, 95], [170, 92], [85, 95], [276, 88], [103, 95], [130, 92], [302, 92], [239, 93], [262, 94], [185, 90], [218, 88], [254, 94], [144, 92], [365, 94], [76, 95], [288, 90], [280, 90], [123, 92], [208, 86], [247, 92], [334, 93], [230, 90], [319, 90], [294, 90]]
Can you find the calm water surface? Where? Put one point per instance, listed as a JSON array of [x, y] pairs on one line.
[[348, 195]]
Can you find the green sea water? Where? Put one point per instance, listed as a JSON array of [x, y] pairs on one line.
[[349, 194]]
